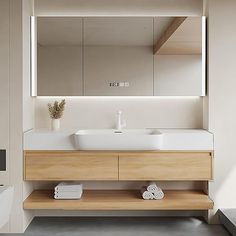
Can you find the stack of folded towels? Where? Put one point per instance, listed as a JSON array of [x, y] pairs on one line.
[[68, 190], [152, 191]]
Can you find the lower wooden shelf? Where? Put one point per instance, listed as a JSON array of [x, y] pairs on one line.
[[120, 200]]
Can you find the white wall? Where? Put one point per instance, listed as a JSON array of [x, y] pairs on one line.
[[4, 90], [222, 97]]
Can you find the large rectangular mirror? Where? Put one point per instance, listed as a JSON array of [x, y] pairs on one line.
[[118, 56]]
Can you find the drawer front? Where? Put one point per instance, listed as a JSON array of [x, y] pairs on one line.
[[70, 166], [166, 166]]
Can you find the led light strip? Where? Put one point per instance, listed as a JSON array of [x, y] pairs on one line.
[[204, 48], [121, 97], [33, 56]]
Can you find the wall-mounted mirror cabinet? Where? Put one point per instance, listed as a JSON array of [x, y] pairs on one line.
[[118, 56]]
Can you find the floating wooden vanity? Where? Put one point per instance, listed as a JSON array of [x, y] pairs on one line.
[[119, 166]]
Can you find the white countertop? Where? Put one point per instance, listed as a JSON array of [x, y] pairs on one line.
[[173, 139]]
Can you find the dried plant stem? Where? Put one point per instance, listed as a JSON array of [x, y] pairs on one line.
[[56, 110]]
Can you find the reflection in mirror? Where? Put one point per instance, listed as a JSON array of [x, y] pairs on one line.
[[118, 58], [179, 62], [59, 56]]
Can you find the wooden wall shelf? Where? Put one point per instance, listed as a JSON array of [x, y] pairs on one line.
[[120, 200]]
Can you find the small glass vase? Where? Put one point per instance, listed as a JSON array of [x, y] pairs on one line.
[[55, 124]]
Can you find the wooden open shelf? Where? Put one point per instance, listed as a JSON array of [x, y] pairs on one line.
[[120, 200]]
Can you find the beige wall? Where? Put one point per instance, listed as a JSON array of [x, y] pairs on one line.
[[100, 112], [120, 7], [28, 101], [222, 94], [4, 81], [15, 67]]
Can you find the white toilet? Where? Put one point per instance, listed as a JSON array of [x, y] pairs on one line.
[[6, 200]]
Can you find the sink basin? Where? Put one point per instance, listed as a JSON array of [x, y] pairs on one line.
[[111, 139]]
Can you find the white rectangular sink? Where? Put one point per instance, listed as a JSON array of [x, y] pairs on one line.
[[111, 139], [136, 139]]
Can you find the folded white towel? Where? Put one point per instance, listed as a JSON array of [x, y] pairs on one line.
[[66, 198], [69, 186], [158, 195], [146, 194], [64, 193], [152, 187], [67, 195]]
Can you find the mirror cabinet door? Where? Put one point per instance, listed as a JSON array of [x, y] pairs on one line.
[[59, 56], [118, 57], [121, 56], [179, 62]]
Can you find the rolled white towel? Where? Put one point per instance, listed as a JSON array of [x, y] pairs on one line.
[[146, 194], [158, 195], [152, 187]]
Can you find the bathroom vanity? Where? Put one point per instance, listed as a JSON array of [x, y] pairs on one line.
[[184, 155]]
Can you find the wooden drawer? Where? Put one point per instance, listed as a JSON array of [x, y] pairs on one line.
[[61, 165], [165, 166]]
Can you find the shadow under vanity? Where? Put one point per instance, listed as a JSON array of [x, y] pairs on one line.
[[119, 56]]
